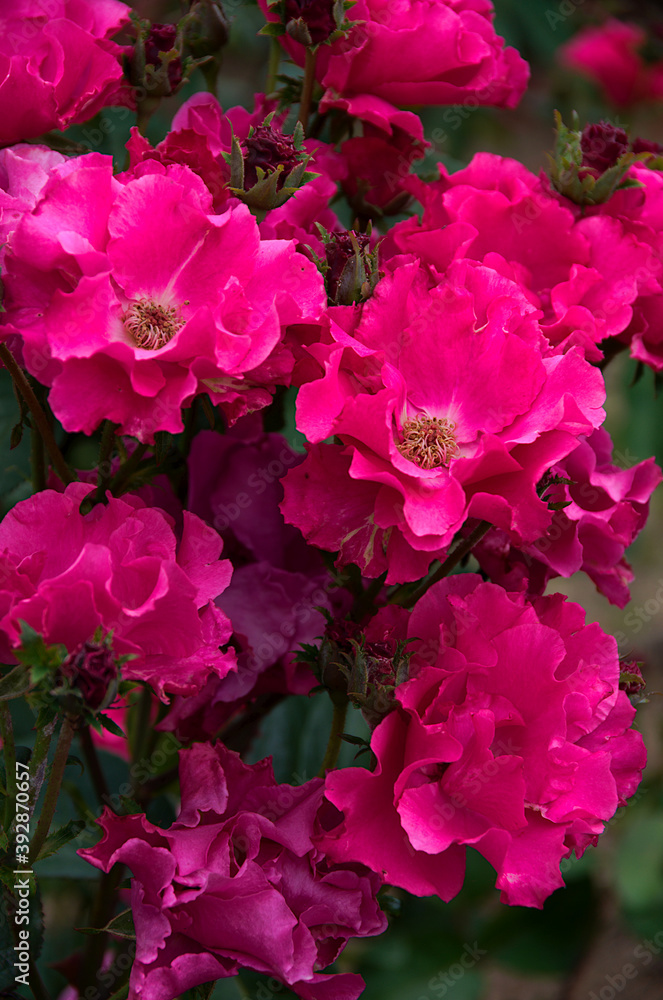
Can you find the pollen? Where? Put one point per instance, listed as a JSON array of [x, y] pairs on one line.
[[429, 442], [152, 325]]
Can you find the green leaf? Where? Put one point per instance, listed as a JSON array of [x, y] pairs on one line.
[[58, 838], [111, 726], [72, 759], [272, 29], [15, 683], [121, 926]]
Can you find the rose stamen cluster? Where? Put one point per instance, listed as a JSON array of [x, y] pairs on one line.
[[152, 325], [429, 442]]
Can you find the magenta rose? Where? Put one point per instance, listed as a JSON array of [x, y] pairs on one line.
[[413, 52], [512, 738], [237, 882], [58, 65], [610, 55], [132, 297], [444, 405], [588, 273], [606, 508], [118, 569]]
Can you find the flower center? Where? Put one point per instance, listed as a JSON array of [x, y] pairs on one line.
[[428, 441], [152, 325]]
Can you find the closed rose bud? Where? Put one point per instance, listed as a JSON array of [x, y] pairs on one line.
[[92, 670]]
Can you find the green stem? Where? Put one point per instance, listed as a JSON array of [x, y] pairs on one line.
[[9, 750], [38, 415], [37, 461], [106, 450], [38, 761], [141, 729], [307, 88], [462, 549], [36, 982], [94, 766], [52, 789], [337, 729], [127, 470], [273, 67], [102, 912]]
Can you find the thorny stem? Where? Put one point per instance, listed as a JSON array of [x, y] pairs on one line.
[[52, 789], [9, 750], [307, 88], [465, 546], [38, 760], [337, 729], [38, 415]]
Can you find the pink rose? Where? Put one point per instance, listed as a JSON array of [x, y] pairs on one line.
[[607, 506], [132, 297], [236, 882], [412, 52], [58, 66], [445, 405], [609, 55], [512, 738], [120, 568]]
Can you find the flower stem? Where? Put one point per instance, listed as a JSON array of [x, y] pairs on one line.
[[141, 729], [127, 470], [105, 454], [94, 766], [38, 761], [337, 727], [37, 462], [38, 415], [52, 789], [408, 600], [273, 67], [307, 88], [9, 750]]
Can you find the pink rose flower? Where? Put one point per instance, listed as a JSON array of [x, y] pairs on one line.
[[132, 298], [609, 55], [638, 212], [24, 170], [120, 568], [236, 882], [607, 509], [416, 52], [511, 738], [445, 407], [58, 66], [585, 272]]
